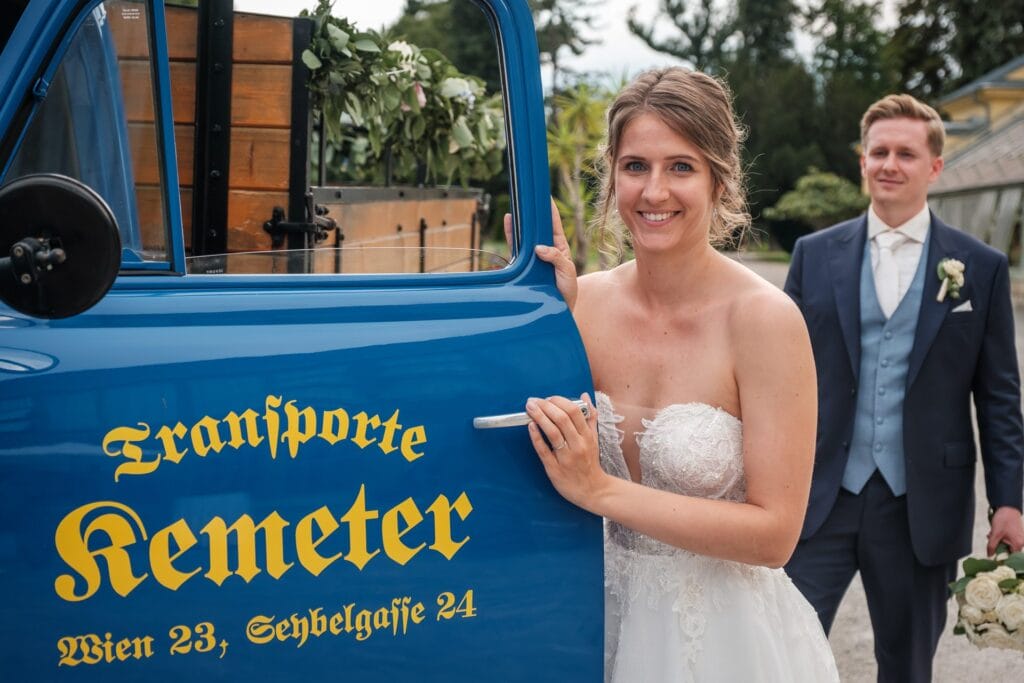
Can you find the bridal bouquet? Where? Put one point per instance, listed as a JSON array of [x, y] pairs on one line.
[[990, 596]]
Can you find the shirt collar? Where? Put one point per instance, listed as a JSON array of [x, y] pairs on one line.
[[916, 228]]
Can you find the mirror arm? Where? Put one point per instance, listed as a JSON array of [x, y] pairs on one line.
[[30, 258]]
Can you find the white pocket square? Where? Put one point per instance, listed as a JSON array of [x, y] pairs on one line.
[[963, 308]]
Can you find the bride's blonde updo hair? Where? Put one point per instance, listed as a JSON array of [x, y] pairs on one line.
[[699, 108]]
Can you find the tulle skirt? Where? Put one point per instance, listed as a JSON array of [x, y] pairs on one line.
[[685, 617]]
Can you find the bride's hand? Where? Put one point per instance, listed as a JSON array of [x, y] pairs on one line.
[[566, 442], [559, 256]]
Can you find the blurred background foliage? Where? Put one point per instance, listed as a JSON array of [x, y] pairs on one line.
[[802, 107]]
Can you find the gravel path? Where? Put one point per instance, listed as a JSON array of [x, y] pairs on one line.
[[957, 661]]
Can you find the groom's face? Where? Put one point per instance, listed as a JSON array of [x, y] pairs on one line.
[[898, 164]]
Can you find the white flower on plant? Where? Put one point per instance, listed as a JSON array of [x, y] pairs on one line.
[[1000, 573], [403, 48], [982, 593], [994, 635], [972, 615], [1010, 610], [951, 273]]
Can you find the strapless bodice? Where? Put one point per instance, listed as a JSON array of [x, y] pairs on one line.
[[690, 448]]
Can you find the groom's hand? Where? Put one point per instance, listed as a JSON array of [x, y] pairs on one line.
[[1008, 527]]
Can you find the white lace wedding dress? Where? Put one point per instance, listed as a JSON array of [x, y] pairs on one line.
[[671, 615]]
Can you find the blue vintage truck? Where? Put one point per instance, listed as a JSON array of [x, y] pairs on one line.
[[266, 473]]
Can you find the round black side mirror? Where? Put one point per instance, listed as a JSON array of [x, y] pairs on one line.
[[59, 246]]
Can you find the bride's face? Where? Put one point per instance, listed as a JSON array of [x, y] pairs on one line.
[[664, 191]]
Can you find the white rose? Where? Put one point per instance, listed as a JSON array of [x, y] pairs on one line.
[[401, 47], [983, 593], [972, 615], [995, 635], [1000, 573], [953, 267], [1011, 611]]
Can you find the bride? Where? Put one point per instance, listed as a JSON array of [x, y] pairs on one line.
[[700, 451]]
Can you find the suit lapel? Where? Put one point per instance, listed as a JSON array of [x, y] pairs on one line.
[[846, 254], [933, 312]]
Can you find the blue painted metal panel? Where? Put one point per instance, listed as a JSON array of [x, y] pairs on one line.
[[133, 436]]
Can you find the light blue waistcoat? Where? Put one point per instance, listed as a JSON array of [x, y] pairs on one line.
[[885, 347]]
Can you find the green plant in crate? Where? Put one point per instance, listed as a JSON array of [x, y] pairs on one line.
[[381, 97]]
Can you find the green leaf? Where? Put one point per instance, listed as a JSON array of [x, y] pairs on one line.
[[461, 132], [1009, 585], [366, 45], [973, 565], [419, 126], [409, 96], [1016, 562], [339, 39], [392, 98], [960, 585], [311, 61], [959, 630]]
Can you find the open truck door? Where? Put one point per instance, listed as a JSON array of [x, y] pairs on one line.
[[271, 475]]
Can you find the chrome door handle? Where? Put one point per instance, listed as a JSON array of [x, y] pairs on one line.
[[516, 419]]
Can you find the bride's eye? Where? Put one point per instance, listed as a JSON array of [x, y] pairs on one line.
[[634, 166]]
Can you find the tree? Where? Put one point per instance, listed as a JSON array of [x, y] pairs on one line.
[[920, 48], [778, 105], [705, 31], [851, 63], [942, 44], [765, 28], [819, 200], [561, 25], [573, 137], [988, 34]]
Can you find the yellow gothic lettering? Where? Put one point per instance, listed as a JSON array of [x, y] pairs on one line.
[[96, 542], [161, 559], [305, 545], [126, 437], [392, 534], [272, 527], [118, 523], [293, 426]]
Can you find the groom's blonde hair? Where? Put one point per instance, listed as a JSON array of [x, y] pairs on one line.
[[905, 107]]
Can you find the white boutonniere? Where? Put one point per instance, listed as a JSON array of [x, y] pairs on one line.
[[951, 272]]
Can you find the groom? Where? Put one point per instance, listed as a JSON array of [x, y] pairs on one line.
[[898, 363]]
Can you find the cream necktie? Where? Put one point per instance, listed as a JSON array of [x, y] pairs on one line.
[[887, 272]]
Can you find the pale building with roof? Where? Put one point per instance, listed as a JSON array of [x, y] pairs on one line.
[[982, 186]]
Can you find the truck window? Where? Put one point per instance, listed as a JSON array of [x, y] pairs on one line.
[[96, 125], [374, 144]]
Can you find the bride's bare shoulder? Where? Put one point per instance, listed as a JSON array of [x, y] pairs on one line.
[[600, 284], [756, 304]]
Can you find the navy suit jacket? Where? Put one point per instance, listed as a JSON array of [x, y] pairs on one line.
[[955, 356]]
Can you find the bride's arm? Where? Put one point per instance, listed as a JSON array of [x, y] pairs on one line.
[[777, 390]]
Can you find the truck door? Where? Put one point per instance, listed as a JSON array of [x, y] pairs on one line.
[[275, 476]]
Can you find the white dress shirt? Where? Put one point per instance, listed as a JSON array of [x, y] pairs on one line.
[[907, 254]]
